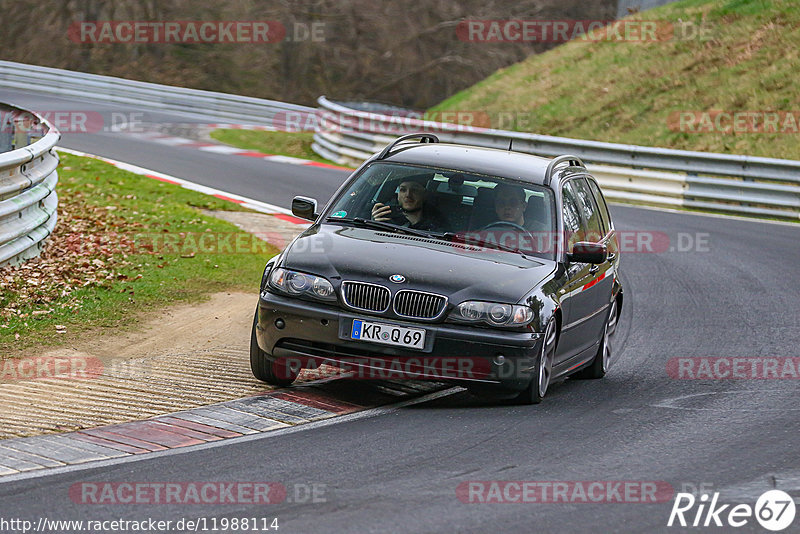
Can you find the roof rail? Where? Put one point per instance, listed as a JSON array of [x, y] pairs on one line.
[[572, 161], [423, 137]]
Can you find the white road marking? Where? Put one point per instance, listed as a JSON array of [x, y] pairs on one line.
[[221, 149], [673, 402], [251, 203], [287, 159]]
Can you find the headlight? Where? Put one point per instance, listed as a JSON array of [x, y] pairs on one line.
[[491, 313], [265, 274], [301, 284]]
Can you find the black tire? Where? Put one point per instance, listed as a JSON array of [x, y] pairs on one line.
[[537, 388], [601, 362], [273, 373]]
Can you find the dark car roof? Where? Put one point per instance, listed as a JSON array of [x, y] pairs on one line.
[[489, 161]]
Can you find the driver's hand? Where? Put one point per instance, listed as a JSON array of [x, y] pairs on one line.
[[381, 212]]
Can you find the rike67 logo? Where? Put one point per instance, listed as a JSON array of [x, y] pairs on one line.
[[774, 510]]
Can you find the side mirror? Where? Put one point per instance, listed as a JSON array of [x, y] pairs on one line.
[[585, 252], [305, 208]]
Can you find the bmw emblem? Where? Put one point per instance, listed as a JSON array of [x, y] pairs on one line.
[[397, 278]]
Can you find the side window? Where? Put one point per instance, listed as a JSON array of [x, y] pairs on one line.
[[572, 217], [589, 211], [601, 204]]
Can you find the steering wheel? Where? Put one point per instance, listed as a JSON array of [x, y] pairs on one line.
[[510, 224], [507, 223]]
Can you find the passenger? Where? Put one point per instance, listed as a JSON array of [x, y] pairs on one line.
[[415, 211]]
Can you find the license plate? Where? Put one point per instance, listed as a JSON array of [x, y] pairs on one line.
[[413, 338]]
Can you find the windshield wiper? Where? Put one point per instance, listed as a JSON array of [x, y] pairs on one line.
[[469, 239], [369, 223]]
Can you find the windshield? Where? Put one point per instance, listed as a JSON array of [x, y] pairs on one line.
[[490, 210]]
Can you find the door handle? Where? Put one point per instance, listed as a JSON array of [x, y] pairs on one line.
[[594, 268]]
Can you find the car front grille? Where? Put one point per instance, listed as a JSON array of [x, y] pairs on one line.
[[418, 305], [368, 297]]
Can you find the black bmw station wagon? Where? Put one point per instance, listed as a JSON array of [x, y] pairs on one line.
[[492, 268]]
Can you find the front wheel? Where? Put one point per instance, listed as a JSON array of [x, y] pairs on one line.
[[273, 373], [537, 388]]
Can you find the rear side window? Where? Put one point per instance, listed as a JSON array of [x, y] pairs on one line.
[[572, 217], [589, 211], [601, 204]]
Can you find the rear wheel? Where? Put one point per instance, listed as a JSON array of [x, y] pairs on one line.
[[537, 388], [602, 360], [273, 373]]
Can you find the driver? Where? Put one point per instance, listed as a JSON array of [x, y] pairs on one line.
[[509, 204], [415, 209]]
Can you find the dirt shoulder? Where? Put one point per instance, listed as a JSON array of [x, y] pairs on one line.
[[179, 357], [223, 321], [183, 357]]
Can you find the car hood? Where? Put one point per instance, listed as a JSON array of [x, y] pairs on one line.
[[457, 271]]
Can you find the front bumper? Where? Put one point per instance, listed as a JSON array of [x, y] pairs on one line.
[[311, 334]]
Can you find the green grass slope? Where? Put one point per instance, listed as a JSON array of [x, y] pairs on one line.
[[744, 56], [125, 245]]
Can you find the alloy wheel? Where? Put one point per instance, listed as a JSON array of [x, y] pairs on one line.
[[546, 358]]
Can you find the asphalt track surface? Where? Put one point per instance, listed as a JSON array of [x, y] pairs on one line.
[[398, 470]]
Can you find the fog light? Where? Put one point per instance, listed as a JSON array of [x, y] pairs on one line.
[[499, 359], [279, 324]]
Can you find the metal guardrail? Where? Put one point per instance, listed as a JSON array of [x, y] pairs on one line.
[[629, 173], [204, 105], [28, 179], [346, 135]]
